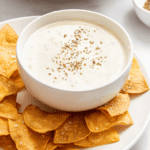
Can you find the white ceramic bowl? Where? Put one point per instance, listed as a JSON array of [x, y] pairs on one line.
[[73, 100], [143, 14]]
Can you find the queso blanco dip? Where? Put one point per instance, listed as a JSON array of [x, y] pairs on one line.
[[74, 55]]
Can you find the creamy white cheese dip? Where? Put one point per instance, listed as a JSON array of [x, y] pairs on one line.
[[74, 55]]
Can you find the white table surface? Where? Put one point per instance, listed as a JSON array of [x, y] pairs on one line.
[[120, 10]]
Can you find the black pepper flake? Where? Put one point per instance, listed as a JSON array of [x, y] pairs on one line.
[[93, 61], [65, 35]]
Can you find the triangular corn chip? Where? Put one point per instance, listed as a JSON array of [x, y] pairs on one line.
[[101, 138], [41, 121], [25, 138], [8, 108], [7, 87], [72, 130], [98, 122], [136, 82], [4, 127], [7, 143], [7, 61], [8, 36], [118, 105]]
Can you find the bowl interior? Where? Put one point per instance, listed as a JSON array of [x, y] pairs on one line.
[[75, 15]]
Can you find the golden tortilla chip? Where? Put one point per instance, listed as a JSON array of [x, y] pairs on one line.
[[25, 138], [8, 108], [15, 74], [69, 145], [3, 91], [72, 130], [116, 106], [18, 106], [135, 64], [18, 81], [41, 121], [101, 138], [66, 148], [7, 143], [4, 127], [50, 144], [98, 122], [8, 36], [136, 82], [121, 128], [8, 63], [7, 87]]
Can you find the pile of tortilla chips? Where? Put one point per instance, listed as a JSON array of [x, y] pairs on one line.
[[39, 130]]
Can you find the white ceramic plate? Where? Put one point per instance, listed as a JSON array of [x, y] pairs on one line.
[[139, 106]]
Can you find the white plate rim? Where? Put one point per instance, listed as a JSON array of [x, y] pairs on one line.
[[19, 18], [148, 118], [135, 55]]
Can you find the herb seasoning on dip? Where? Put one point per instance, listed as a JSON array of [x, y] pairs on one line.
[[74, 55]]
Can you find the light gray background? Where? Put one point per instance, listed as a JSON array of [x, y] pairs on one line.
[[120, 10]]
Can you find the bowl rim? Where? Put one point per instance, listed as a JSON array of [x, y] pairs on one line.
[[141, 8], [68, 90]]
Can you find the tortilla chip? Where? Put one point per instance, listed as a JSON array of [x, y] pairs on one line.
[[101, 138], [69, 145], [15, 74], [4, 127], [7, 143], [98, 122], [50, 144], [41, 121], [121, 128], [8, 36], [18, 106], [72, 130], [135, 65], [4, 91], [136, 82], [18, 81], [66, 148], [7, 87], [116, 106], [25, 138], [8, 108], [8, 63]]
